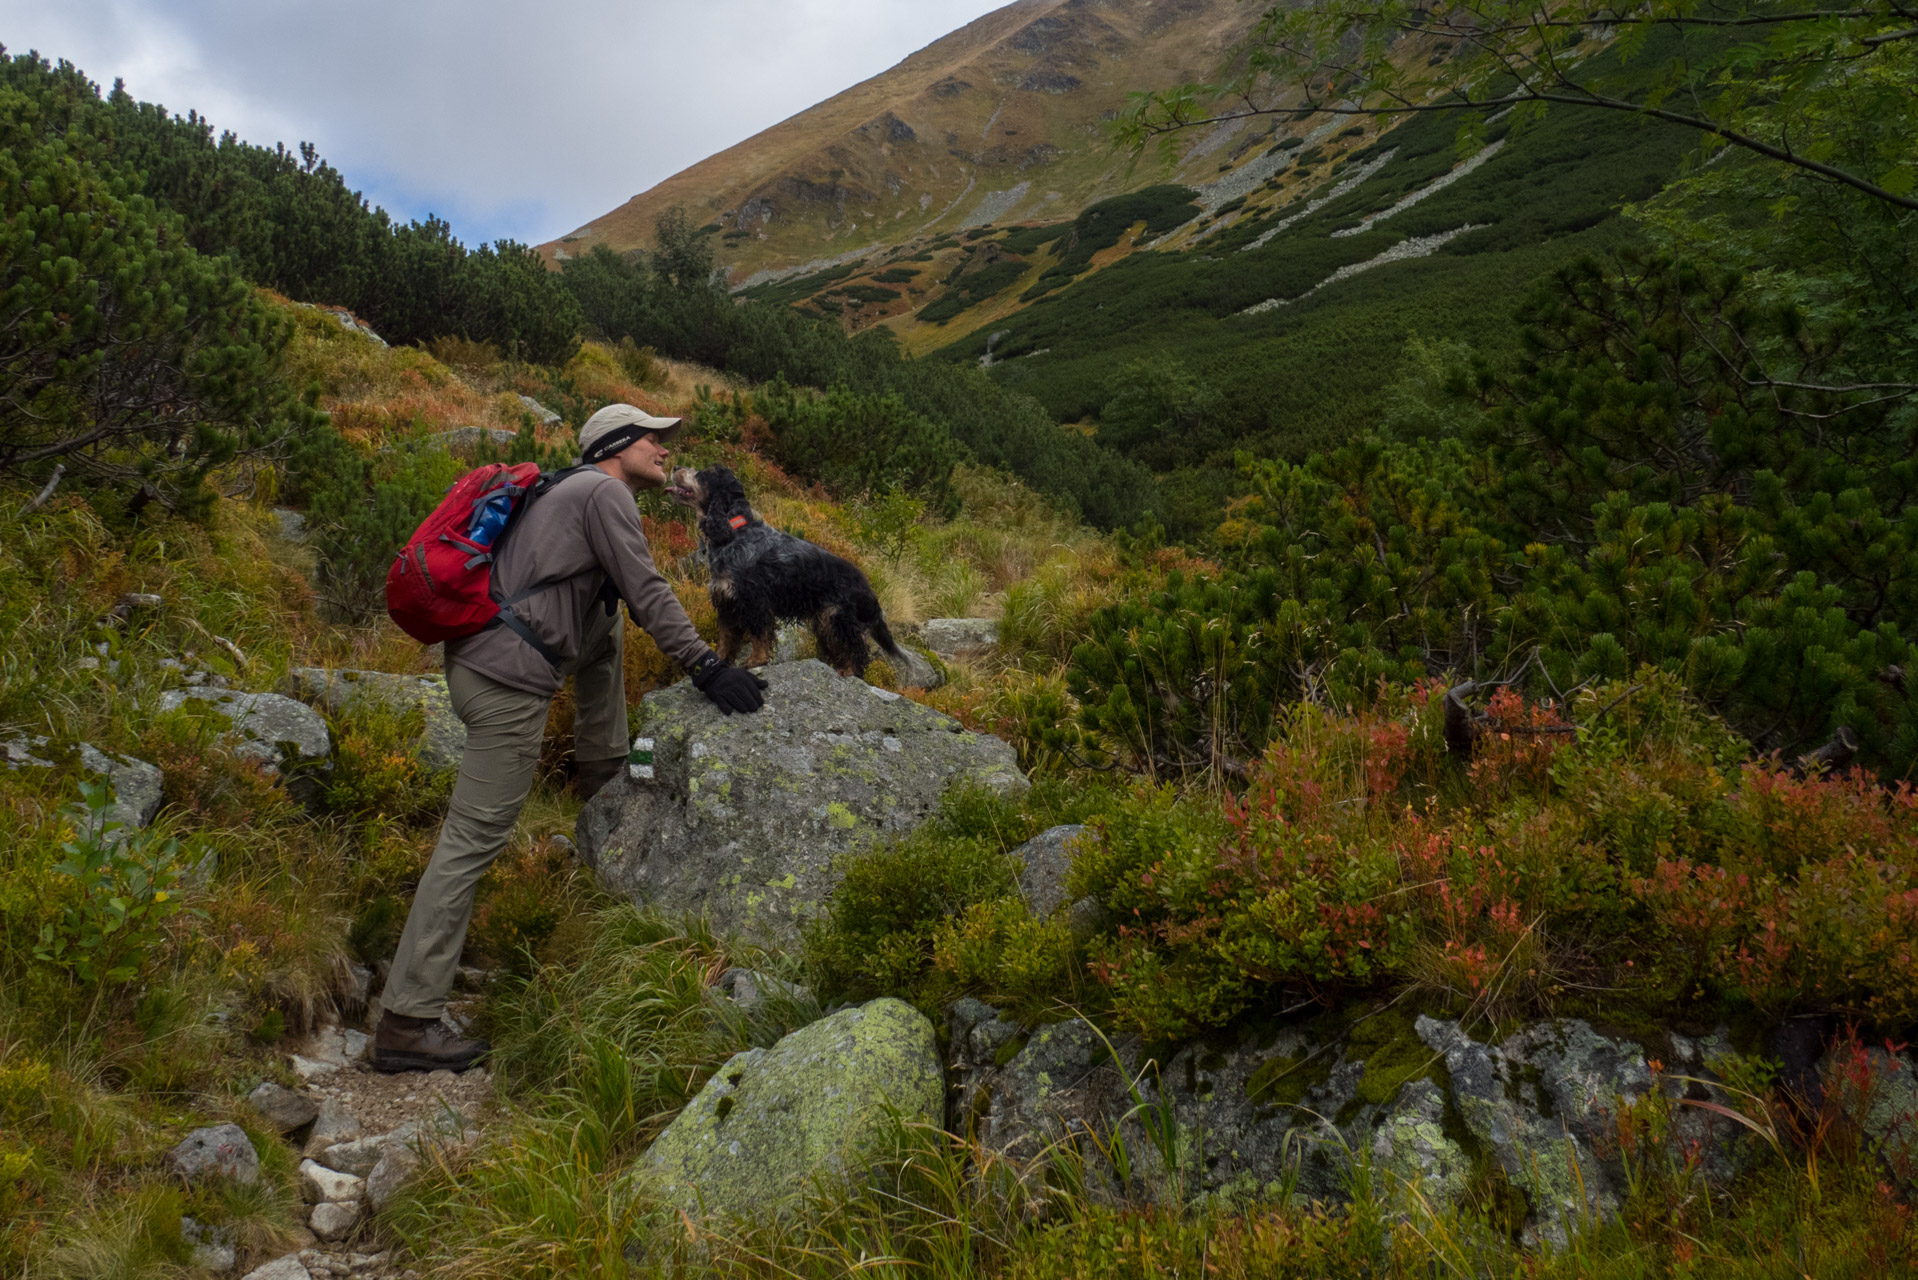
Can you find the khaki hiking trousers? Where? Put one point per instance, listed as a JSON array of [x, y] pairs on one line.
[[505, 728]]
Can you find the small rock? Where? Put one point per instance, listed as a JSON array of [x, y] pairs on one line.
[[959, 637], [287, 1268], [221, 1150], [321, 1185], [394, 1168], [359, 987], [367, 1261], [545, 416], [358, 1157], [1044, 863], [284, 1109], [335, 1124], [460, 439], [750, 989], [212, 1246], [292, 524], [440, 1079], [1085, 918], [913, 671], [332, 1220], [312, 1068], [357, 1043]]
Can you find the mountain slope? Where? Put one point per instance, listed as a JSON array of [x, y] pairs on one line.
[[1001, 120]]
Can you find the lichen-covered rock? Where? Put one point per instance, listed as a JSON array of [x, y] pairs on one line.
[[287, 738], [1530, 1103], [1062, 1084], [1411, 1149], [1044, 863], [221, 1150], [467, 439], [136, 785], [1881, 1089], [745, 818], [813, 1105], [442, 739]]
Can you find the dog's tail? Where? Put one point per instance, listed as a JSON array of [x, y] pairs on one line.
[[873, 618]]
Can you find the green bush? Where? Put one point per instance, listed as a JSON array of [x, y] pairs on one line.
[[362, 510], [124, 886], [858, 443]]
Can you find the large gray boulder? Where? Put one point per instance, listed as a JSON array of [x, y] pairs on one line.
[[442, 738], [287, 738], [746, 818], [814, 1105], [136, 785]]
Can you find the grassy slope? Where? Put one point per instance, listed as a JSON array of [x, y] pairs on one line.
[[1298, 377], [95, 1083]]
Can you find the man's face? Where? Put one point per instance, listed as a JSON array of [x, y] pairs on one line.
[[643, 463]]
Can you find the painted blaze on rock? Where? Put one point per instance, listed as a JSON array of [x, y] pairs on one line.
[[813, 1104], [745, 817]]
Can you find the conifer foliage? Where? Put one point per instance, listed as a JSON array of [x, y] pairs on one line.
[[127, 359], [289, 222]]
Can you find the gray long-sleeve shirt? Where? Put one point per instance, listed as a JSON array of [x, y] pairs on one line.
[[581, 532]]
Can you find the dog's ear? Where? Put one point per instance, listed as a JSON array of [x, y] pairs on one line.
[[716, 527]]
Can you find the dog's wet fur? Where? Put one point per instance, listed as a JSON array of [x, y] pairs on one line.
[[760, 576]]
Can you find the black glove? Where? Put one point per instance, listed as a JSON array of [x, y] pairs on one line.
[[731, 688]]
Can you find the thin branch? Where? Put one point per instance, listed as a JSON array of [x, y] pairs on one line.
[[53, 482]]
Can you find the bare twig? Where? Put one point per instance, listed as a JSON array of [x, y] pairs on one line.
[[53, 482]]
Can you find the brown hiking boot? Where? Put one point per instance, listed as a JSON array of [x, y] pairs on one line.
[[401, 1043]]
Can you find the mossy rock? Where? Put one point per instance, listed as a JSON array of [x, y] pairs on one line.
[[747, 819], [818, 1103]]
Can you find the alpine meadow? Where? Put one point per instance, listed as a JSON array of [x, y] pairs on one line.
[[1400, 527]]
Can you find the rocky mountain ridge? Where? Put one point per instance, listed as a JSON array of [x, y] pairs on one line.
[[1002, 120]]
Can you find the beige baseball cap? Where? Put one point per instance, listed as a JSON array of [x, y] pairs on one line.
[[618, 425]]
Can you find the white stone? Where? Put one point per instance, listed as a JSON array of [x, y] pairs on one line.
[[288, 1268], [319, 1184], [332, 1221], [312, 1068]]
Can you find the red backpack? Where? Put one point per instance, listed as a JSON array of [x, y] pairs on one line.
[[441, 584]]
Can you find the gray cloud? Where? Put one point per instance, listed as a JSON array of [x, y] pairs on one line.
[[506, 119]]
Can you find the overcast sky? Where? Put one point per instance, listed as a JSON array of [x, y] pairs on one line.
[[506, 119]]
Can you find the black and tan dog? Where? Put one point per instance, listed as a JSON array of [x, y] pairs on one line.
[[761, 576]]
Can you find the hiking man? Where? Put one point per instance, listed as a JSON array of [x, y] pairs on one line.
[[568, 561]]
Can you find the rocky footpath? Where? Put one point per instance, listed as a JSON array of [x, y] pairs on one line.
[[746, 818], [357, 1135]]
